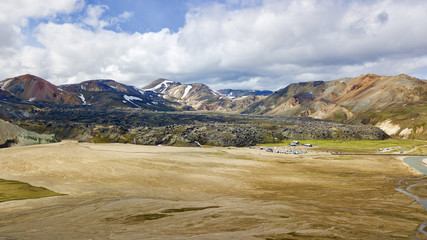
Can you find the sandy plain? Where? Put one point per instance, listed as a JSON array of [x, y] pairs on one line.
[[118, 191]]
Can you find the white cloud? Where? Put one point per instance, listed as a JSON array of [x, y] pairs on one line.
[[14, 15], [15, 56], [242, 83], [93, 16], [260, 43], [18, 11]]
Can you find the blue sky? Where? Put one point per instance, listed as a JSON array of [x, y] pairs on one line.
[[154, 15], [253, 44], [148, 15]]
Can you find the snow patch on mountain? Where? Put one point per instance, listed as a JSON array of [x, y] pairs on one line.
[[186, 91], [163, 86], [82, 98], [215, 92], [142, 91], [5, 83], [131, 99]]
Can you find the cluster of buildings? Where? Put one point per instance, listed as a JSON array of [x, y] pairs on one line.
[[294, 148], [388, 149]]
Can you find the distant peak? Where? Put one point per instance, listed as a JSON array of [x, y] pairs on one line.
[[375, 75], [29, 76], [368, 75], [98, 80], [164, 80], [160, 84], [404, 75]]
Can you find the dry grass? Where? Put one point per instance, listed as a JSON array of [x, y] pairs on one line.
[[118, 191]]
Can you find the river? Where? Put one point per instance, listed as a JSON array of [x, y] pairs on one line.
[[417, 163], [419, 194]]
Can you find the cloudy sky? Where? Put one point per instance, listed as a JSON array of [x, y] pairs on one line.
[[252, 44]]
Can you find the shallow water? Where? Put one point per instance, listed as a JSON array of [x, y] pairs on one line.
[[417, 163], [418, 189]]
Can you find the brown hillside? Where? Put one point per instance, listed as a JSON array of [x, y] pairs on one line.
[[33, 88], [397, 104]]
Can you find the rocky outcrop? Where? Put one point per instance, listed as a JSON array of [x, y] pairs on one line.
[[13, 135], [133, 126]]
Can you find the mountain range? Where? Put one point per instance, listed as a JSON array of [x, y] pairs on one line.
[[396, 104], [200, 97]]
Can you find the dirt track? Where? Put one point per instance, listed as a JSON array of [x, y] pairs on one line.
[[118, 191]]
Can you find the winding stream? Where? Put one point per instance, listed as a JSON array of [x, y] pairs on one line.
[[412, 190]]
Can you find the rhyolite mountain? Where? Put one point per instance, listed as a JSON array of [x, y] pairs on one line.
[[200, 97], [161, 95], [396, 104], [109, 93], [32, 88]]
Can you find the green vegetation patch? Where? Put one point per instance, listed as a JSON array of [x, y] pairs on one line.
[[358, 146], [144, 217], [420, 151], [134, 219], [14, 190], [216, 153], [189, 209], [411, 116], [340, 116]]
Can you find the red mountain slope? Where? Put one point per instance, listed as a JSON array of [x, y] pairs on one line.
[[33, 88]]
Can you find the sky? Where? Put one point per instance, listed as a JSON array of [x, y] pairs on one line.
[[241, 44]]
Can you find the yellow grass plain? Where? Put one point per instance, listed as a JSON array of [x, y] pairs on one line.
[[123, 191]]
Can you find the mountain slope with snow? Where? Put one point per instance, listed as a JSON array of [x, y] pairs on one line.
[[197, 96], [109, 93]]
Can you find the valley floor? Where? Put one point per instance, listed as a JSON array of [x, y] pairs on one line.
[[123, 191]]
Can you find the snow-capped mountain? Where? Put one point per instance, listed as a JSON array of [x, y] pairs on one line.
[[102, 93], [196, 95]]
